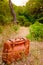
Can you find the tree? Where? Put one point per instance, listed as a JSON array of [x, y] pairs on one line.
[[12, 12], [34, 9]]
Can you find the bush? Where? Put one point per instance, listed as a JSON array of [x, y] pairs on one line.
[[5, 19], [23, 21], [40, 20], [27, 23], [14, 28], [36, 32], [1, 29]]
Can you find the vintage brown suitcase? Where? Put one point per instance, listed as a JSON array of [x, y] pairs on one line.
[[14, 49]]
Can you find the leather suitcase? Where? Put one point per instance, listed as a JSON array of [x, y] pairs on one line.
[[15, 49]]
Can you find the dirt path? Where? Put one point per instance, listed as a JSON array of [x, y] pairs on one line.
[[23, 31], [36, 49]]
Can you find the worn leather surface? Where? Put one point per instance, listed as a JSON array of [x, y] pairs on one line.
[[14, 49]]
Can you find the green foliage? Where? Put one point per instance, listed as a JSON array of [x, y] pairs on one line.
[[25, 15], [5, 15], [40, 20], [15, 27], [27, 23], [5, 20], [34, 9], [1, 29], [36, 31], [22, 20]]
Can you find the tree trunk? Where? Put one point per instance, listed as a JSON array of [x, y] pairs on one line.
[[12, 12]]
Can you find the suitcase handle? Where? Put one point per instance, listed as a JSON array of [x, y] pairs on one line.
[[11, 44], [18, 41]]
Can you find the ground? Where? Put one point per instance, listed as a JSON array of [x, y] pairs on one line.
[[36, 48]]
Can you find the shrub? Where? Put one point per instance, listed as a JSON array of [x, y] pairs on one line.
[[1, 29], [5, 19], [36, 32], [15, 27], [40, 20], [27, 23], [23, 21]]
